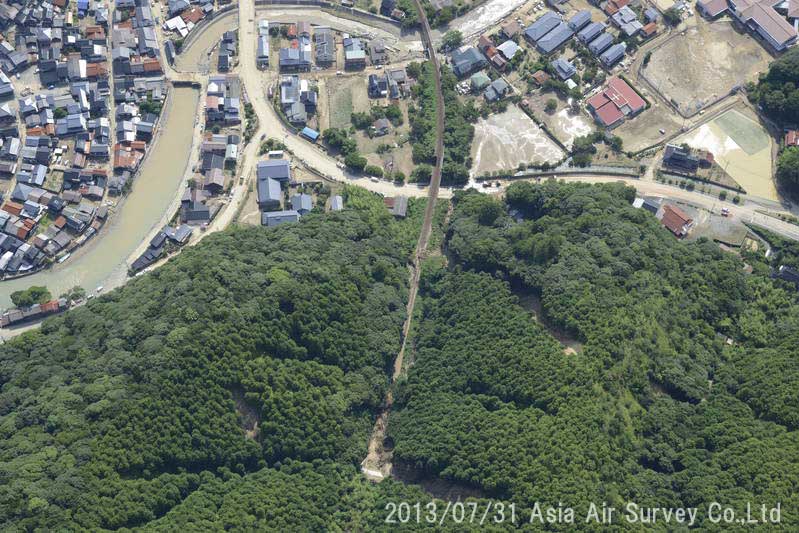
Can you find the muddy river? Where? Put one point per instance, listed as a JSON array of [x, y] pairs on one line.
[[103, 260], [195, 54]]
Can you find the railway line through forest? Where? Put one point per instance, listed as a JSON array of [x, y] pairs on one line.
[[377, 464]]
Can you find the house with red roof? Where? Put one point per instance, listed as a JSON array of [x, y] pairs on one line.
[[675, 220], [615, 103], [791, 138], [613, 6]]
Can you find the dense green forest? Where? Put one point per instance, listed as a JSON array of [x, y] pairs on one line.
[[651, 404], [115, 412], [568, 350], [777, 91]]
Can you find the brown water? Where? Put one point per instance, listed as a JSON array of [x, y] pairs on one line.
[[194, 57], [103, 260]]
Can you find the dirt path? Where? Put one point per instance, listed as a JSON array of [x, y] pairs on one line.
[[377, 464]]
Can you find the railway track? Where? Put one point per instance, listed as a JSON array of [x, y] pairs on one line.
[[377, 463]]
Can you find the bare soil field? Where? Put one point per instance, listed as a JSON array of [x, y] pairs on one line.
[[504, 140], [705, 62], [644, 130]]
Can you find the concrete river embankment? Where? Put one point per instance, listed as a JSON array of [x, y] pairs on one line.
[[103, 260]]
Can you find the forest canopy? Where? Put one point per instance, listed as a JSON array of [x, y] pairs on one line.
[[566, 349]]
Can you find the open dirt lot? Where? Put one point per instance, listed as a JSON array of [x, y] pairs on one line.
[[504, 140], [703, 63], [644, 130]]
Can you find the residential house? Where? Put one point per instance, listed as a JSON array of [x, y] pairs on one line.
[[277, 169], [269, 194], [580, 20], [354, 53], [276, 218], [612, 55], [590, 32], [616, 102], [467, 60], [564, 69], [627, 21], [302, 203], [601, 43], [675, 220], [325, 51], [496, 90], [680, 158]]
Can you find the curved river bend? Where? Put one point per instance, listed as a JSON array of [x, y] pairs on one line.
[[103, 260]]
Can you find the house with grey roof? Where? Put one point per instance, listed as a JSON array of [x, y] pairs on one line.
[[302, 203], [276, 218], [262, 54], [325, 51], [496, 90], [377, 52], [269, 194], [336, 203], [294, 60], [277, 169], [467, 60]]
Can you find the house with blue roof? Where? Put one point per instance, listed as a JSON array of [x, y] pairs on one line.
[[601, 43], [554, 39], [580, 20], [564, 69], [590, 32], [543, 25], [613, 55], [310, 134]]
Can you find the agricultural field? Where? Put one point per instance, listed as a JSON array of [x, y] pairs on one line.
[[696, 67]]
